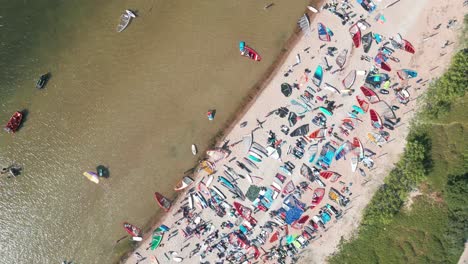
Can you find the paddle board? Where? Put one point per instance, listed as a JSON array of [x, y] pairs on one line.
[[194, 149]]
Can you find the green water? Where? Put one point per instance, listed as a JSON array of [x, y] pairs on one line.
[[134, 101]]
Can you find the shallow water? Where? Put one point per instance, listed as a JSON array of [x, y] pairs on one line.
[[134, 101]]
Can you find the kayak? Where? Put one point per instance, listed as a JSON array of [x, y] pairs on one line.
[[163, 202], [248, 52], [14, 122], [132, 230], [92, 176]]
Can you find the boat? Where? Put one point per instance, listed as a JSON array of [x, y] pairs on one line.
[[341, 59], [163, 202], [185, 182], [355, 32], [376, 121], [317, 197], [349, 80], [408, 47], [92, 176], [299, 223], [42, 81], [312, 9], [248, 52], [370, 95], [132, 230], [125, 19], [405, 74], [312, 152], [14, 122], [323, 33], [245, 213], [367, 40], [194, 149], [318, 76]]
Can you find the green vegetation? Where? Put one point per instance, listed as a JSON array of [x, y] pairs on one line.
[[434, 227]]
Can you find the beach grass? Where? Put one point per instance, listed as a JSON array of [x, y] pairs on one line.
[[433, 226]]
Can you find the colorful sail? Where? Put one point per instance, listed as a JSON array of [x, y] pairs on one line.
[[367, 40], [318, 76], [405, 74], [408, 47], [376, 121], [341, 58], [323, 32], [363, 104], [333, 176], [370, 95], [349, 80], [317, 134], [358, 146], [355, 33]]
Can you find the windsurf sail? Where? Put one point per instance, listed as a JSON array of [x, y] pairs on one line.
[[341, 59], [408, 47], [367, 40], [323, 32], [317, 134], [376, 121], [318, 76], [344, 149], [349, 80], [363, 104], [405, 74], [333, 176], [358, 146], [355, 32], [300, 131], [370, 95]]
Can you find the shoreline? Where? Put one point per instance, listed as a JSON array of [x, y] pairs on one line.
[[244, 109], [229, 124]]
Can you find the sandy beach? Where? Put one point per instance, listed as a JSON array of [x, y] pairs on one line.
[[417, 22]]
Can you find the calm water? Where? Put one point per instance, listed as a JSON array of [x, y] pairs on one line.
[[134, 101]]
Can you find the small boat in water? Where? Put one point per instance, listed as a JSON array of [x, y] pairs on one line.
[[194, 149], [125, 19], [163, 202], [42, 81], [92, 176], [249, 52], [14, 122], [132, 230]]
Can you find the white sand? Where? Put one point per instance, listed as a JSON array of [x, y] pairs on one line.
[[414, 20]]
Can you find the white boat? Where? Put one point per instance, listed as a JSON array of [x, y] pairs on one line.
[[194, 149], [311, 8], [125, 19]]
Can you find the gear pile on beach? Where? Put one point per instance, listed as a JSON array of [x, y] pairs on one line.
[[268, 195]]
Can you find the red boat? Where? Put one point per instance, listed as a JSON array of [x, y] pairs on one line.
[[245, 213], [132, 230], [249, 52], [14, 122], [317, 197], [163, 202]]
